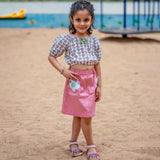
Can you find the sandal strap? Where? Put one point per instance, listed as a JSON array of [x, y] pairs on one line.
[[92, 154], [76, 150], [71, 143], [90, 146]]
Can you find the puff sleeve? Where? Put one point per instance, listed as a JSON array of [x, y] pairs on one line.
[[59, 46], [98, 51]]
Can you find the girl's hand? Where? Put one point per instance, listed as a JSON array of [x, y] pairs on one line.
[[98, 94], [70, 75]]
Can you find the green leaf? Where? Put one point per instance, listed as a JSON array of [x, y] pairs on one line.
[[119, 22], [31, 21], [136, 21], [104, 26], [150, 21]]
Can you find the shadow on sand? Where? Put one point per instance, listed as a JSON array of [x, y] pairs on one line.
[[130, 39]]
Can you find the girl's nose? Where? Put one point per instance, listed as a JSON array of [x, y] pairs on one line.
[[82, 23]]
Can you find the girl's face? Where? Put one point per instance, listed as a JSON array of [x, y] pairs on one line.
[[82, 20]]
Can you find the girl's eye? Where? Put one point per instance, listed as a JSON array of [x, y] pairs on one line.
[[86, 20], [77, 19]]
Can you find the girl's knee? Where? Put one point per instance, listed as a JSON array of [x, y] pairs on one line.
[[77, 118], [86, 121]]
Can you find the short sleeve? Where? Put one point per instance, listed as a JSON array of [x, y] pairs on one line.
[[59, 46], [98, 51]]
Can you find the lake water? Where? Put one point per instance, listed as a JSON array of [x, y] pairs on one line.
[[62, 20], [55, 14]]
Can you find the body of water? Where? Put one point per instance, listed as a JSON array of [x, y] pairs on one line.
[[55, 15], [62, 20]]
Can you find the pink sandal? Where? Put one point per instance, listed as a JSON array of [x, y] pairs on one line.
[[91, 155], [74, 151]]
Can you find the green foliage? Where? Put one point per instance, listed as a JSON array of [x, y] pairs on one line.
[[150, 21], [51, 27], [119, 22], [104, 26], [136, 21], [62, 24], [31, 21]]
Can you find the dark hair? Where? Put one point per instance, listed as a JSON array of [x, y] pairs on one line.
[[81, 5]]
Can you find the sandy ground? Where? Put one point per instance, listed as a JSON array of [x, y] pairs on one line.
[[127, 121]]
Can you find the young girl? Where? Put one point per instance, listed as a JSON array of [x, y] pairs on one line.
[[83, 84]]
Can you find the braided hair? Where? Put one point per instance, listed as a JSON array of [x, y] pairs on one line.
[[77, 6]]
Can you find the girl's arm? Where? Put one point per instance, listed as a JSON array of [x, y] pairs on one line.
[[99, 82], [55, 63], [66, 73]]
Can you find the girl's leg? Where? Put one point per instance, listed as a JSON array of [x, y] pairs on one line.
[[76, 127], [87, 131]]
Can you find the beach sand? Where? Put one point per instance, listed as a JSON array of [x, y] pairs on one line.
[[127, 121]]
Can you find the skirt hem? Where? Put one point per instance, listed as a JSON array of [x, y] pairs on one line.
[[78, 115]]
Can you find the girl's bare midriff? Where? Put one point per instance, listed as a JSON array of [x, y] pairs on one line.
[[82, 67]]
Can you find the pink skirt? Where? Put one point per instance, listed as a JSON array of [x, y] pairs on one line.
[[79, 96]]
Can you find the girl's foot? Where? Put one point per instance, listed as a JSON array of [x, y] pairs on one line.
[[74, 148], [91, 153]]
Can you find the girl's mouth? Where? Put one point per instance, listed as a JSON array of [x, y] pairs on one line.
[[81, 27]]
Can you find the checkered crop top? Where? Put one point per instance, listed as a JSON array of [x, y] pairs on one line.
[[84, 51]]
